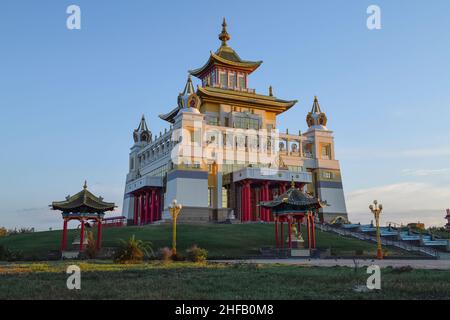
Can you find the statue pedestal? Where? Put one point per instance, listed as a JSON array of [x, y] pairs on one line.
[[298, 244]]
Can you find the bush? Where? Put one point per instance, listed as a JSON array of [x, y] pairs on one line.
[[3, 232], [8, 255], [165, 254], [91, 248], [196, 254], [132, 251]]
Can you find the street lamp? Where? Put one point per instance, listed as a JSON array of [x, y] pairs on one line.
[[174, 209], [376, 210]]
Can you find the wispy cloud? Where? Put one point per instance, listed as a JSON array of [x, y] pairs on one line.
[[426, 172], [346, 153], [403, 202]]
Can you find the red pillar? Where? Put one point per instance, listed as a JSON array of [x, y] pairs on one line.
[[308, 227], [147, 209], [249, 202], [82, 236], [282, 232], [313, 231], [99, 234], [136, 203], [153, 206], [64, 237], [245, 201]]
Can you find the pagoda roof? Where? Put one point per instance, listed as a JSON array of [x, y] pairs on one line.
[[225, 56], [245, 99], [293, 200], [83, 202]]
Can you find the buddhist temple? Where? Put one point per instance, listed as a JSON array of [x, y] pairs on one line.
[[222, 153]]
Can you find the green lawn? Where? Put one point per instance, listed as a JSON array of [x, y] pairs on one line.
[[221, 240], [104, 280]]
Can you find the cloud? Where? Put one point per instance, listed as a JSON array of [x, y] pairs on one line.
[[426, 172], [403, 203], [352, 153]]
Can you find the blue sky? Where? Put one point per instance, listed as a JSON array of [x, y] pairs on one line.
[[69, 100]]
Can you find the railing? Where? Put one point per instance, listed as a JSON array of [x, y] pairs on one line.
[[366, 237]]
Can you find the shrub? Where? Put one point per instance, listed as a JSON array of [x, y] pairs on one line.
[[8, 255], [132, 251], [196, 254], [3, 232], [165, 254], [91, 248]]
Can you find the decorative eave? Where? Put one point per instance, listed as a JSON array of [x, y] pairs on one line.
[[244, 99], [170, 117], [214, 59], [83, 202]]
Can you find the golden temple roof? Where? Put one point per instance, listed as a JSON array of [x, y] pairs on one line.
[[245, 99], [227, 57]]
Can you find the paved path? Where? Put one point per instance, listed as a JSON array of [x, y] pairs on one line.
[[417, 264]]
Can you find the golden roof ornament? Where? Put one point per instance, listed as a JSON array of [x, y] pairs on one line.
[[224, 36]]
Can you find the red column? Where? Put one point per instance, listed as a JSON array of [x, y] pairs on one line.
[[99, 234], [249, 202], [136, 203], [245, 207], [308, 227], [153, 206], [282, 232], [82, 236], [64, 237], [313, 231], [147, 209]]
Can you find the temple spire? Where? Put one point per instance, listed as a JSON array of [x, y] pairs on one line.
[[142, 134], [224, 36], [316, 119], [316, 106]]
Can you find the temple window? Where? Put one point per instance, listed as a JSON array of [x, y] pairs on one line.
[[232, 80], [212, 120], [327, 175], [224, 197], [223, 79], [242, 82], [246, 123], [326, 152]]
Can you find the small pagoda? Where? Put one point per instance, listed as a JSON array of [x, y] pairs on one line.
[[84, 207], [293, 207]]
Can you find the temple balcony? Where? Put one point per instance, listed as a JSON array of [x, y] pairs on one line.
[[272, 175]]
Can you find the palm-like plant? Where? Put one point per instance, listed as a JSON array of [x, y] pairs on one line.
[[133, 251]]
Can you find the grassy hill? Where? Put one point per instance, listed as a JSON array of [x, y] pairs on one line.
[[221, 240]]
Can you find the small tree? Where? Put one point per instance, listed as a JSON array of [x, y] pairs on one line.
[[91, 248], [196, 254], [133, 251], [3, 232]]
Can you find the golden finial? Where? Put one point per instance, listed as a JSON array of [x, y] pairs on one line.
[[316, 99], [224, 36], [271, 91], [85, 185]]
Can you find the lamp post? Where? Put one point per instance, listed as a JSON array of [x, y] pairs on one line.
[[376, 210], [174, 209]]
